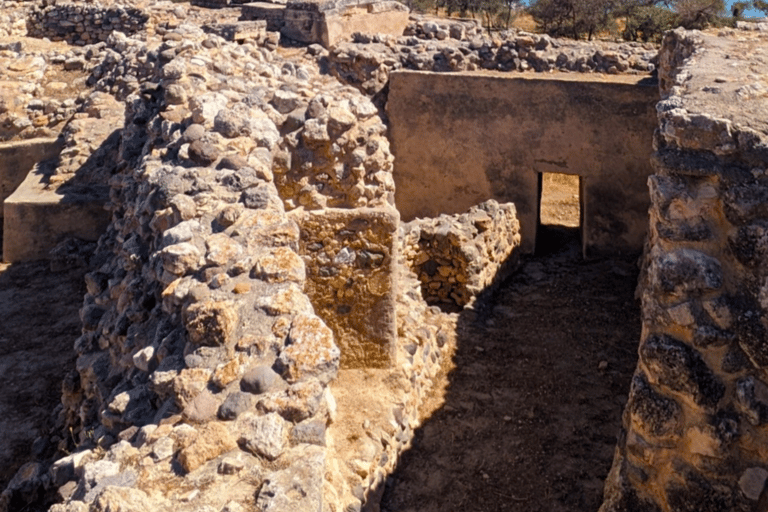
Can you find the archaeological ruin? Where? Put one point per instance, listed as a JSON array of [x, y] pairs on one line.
[[286, 217]]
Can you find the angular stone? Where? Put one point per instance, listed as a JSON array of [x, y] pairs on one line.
[[125, 499], [235, 404], [297, 488], [310, 351], [685, 271], [202, 408], [655, 413], [278, 265], [263, 435], [752, 482], [752, 399], [211, 441], [180, 259], [221, 249], [211, 323], [288, 299], [308, 432]]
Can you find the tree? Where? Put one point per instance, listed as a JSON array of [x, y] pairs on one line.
[[698, 14], [646, 22], [573, 18]]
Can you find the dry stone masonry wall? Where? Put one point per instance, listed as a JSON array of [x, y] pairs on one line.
[[83, 23], [694, 429], [200, 349], [367, 60], [456, 257], [203, 369]]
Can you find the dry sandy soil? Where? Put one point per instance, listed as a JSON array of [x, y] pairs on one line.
[[524, 419], [530, 408], [39, 322]]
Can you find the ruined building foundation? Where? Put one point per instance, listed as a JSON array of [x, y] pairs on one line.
[[252, 248]]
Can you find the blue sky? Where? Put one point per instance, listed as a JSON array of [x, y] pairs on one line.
[[747, 14]]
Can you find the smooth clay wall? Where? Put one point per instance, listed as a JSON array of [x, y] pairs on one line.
[[477, 137]]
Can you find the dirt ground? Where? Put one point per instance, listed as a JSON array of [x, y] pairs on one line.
[[531, 407], [525, 419], [39, 322]]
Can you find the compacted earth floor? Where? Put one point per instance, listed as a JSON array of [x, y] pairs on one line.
[[531, 403], [39, 323]]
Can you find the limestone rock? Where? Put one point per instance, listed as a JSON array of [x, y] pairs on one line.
[[310, 351], [265, 435], [211, 441]]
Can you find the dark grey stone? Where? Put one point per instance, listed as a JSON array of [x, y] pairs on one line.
[[235, 404], [261, 379], [681, 368]]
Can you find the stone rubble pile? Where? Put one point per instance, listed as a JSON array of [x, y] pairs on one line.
[[457, 256], [694, 427], [441, 29], [40, 89], [367, 61], [13, 18]]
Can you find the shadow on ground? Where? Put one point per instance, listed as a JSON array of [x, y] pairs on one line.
[[39, 323], [533, 405]]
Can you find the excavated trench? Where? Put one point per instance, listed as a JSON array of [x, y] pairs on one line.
[[533, 400], [39, 322]]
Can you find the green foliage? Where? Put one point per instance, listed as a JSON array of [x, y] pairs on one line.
[[698, 14], [574, 18], [760, 5], [738, 8], [647, 22]]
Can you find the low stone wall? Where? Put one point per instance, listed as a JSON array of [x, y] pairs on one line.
[[694, 431], [350, 256], [456, 257], [18, 158], [367, 61], [255, 31], [82, 23]]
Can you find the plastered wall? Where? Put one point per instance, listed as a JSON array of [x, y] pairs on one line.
[[462, 138]]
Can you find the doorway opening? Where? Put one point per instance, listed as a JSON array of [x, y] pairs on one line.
[[561, 213]]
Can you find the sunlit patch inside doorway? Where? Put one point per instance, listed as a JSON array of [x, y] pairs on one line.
[[560, 213]]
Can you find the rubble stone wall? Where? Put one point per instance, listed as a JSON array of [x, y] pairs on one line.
[[457, 256], [694, 428], [538, 124], [201, 353], [82, 23], [367, 61]]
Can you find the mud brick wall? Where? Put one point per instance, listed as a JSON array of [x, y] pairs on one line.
[[80, 23], [694, 429], [350, 257], [458, 256]]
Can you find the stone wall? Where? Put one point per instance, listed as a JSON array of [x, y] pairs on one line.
[[82, 23], [203, 368], [694, 432], [18, 158], [456, 257], [367, 61], [539, 124]]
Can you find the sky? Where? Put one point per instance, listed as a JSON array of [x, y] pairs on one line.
[[747, 14]]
